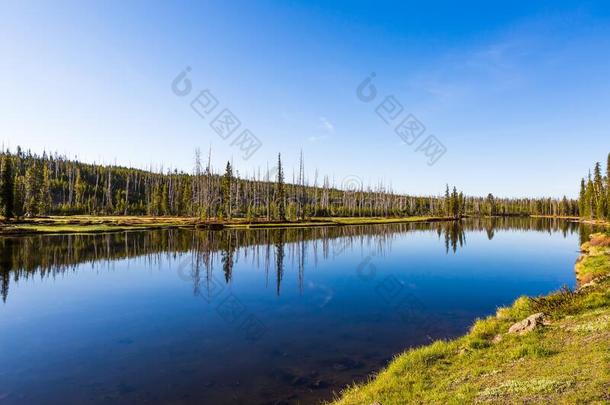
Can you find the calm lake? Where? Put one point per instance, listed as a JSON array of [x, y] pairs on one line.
[[254, 316]]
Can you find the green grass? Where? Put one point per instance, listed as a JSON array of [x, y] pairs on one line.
[[86, 224], [31, 229], [595, 262], [66, 228], [567, 361]]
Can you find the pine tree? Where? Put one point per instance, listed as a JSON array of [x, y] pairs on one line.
[[599, 192], [32, 189], [461, 204], [187, 201], [44, 203], [582, 198], [455, 203], [564, 207], [109, 202], [302, 191], [79, 188], [280, 189], [608, 187], [19, 196], [491, 205], [165, 200], [448, 209], [590, 198], [7, 188], [227, 181], [157, 200]]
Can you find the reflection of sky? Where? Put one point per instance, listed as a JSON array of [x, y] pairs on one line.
[[120, 320], [510, 255]]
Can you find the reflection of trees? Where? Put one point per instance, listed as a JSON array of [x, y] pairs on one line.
[[302, 255], [279, 259], [227, 252], [490, 228], [585, 230], [201, 251], [6, 257], [454, 235], [548, 225]]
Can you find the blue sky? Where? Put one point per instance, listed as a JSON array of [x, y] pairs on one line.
[[517, 92]]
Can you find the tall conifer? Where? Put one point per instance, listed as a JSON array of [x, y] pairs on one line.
[[7, 187], [280, 189]]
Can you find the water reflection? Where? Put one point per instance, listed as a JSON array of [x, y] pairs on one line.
[[47, 256], [254, 316]]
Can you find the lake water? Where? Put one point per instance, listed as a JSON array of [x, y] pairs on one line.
[[253, 316]]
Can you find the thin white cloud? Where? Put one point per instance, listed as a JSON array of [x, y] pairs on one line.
[[314, 138], [326, 125]]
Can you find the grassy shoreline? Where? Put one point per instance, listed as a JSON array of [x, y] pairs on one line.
[[566, 360], [97, 224]]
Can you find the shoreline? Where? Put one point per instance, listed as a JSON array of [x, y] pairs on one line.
[[562, 359], [101, 224], [70, 224]]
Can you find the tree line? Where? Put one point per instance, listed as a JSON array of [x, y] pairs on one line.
[[50, 184], [594, 198]]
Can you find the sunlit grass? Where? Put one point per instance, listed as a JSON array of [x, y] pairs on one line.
[[563, 362], [89, 223]]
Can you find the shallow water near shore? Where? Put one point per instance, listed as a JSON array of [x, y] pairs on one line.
[[254, 316]]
